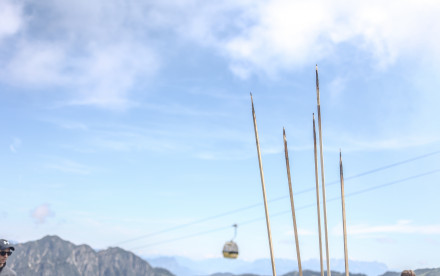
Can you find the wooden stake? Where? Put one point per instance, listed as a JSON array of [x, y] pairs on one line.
[[298, 255], [343, 213], [322, 176], [317, 195], [264, 189]]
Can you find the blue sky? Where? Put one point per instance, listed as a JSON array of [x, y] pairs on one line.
[[124, 118]]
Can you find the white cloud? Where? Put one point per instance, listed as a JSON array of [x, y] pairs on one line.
[[103, 75], [41, 213], [10, 18], [111, 71], [84, 50], [38, 64], [288, 34], [99, 51], [16, 143]]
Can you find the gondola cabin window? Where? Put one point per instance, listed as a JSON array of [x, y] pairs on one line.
[[230, 250]]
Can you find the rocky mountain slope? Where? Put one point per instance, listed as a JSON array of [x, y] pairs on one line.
[[52, 256]]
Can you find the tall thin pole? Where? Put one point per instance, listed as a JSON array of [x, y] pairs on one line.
[[264, 189], [343, 213], [322, 175], [298, 255], [317, 195]]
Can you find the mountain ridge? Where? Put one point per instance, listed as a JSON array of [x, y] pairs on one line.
[[53, 256]]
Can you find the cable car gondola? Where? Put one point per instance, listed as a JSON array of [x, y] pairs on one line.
[[230, 249]]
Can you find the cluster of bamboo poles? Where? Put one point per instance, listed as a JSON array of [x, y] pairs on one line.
[[317, 193]]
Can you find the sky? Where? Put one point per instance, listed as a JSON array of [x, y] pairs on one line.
[[129, 123]]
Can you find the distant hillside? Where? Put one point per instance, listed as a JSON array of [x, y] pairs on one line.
[[52, 256], [418, 272], [295, 273], [316, 273], [230, 274], [181, 266]]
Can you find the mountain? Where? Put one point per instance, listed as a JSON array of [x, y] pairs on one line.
[[316, 273], [296, 273], [173, 265], [181, 266], [230, 274], [52, 256]]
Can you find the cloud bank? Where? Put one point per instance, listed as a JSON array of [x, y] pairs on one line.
[[289, 34], [99, 53]]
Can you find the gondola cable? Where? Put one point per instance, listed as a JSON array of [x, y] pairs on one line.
[[288, 211], [278, 198]]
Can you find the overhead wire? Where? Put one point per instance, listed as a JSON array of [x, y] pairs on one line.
[[191, 223], [288, 211], [275, 199]]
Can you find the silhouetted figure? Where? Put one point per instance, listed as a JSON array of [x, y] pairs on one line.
[[408, 273]]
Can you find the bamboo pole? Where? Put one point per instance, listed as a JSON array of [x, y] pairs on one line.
[[343, 213], [264, 189], [322, 176], [298, 255], [317, 195]]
